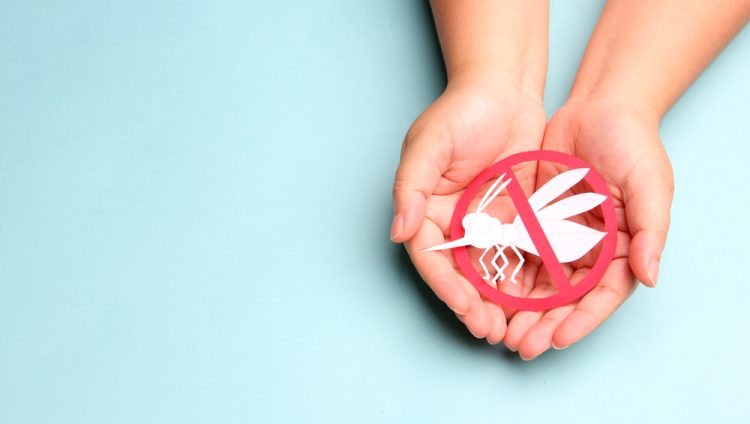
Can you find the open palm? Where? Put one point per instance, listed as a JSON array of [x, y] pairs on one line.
[[463, 132], [623, 144]]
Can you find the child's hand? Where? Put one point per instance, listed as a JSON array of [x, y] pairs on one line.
[[470, 127], [641, 57], [622, 143], [496, 61]]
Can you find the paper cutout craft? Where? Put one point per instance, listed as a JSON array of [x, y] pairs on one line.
[[569, 240], [541, 228]]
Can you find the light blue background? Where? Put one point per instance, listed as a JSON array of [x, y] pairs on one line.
[[194, 213]]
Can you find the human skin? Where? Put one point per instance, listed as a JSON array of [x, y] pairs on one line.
[[641, 57], [496, 58]]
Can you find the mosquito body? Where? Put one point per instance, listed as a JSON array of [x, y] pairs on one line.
[[569, 240]]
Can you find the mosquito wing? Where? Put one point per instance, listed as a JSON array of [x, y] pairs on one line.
[[569, 241], [554, 188], [570, 206]]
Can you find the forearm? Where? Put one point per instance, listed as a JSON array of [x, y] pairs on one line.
[[648, 52], [495, 41]]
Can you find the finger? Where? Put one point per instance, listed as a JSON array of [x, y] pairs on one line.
[[523, 321], [423, 160], [538, 339], [498, 323], [648, 193], [518, 326], [437, 271], [478, 320], [616, 286]]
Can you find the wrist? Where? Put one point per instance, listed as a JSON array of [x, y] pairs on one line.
[[626, 89], [496, 81], [630, 102]]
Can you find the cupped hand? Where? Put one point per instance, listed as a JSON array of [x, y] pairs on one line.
[[472, 125], [622, 143]]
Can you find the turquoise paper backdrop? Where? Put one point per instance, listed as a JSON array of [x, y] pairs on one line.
[[194, 214]]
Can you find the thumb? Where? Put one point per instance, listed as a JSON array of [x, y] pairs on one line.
[[423, 159], [648, 196]]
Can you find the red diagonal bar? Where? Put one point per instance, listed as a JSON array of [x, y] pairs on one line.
[[534, 228]]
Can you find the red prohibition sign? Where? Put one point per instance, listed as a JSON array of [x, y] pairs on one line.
[[566, 292]]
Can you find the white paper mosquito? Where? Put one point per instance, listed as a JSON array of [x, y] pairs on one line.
[[569, 240]]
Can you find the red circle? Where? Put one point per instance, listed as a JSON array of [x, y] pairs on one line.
[[561, 298]]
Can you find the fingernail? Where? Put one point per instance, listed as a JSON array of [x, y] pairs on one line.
[[556, 347], [397, 226], [653, 271], [525, 358]]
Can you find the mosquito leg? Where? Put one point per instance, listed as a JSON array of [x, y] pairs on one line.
[[484, 267], [506, 262], [499, 274], [521, 260]]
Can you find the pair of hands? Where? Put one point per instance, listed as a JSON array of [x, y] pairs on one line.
[[474, 124]]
